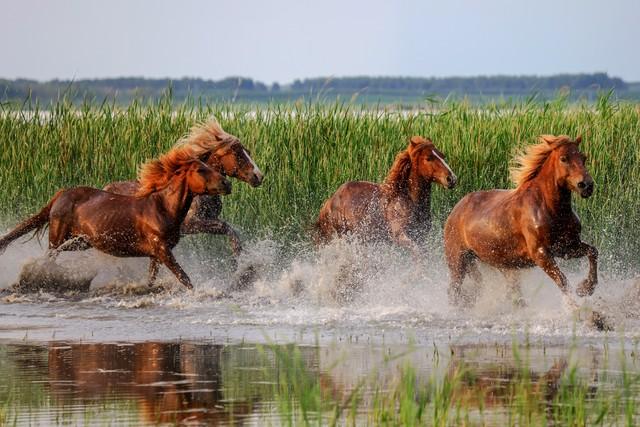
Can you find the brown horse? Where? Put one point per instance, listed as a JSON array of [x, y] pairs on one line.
[[223, 152], [399, 208], [527, 226], [144, 225]]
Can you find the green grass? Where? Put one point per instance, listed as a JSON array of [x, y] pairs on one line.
[[458, 397], [302, 385], [308, 150]]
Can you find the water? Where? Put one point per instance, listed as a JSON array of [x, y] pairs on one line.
[[208, 382], [121, 352]]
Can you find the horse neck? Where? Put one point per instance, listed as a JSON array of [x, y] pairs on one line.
[[397, 181], [557, 199], [403, 180], [176, 199]]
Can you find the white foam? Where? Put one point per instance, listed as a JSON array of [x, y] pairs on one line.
[[342, 285]]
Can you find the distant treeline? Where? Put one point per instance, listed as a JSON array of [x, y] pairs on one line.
[[360, 89]]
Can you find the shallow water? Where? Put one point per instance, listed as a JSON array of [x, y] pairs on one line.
[[121, 351], [344, 288], [209, 382]]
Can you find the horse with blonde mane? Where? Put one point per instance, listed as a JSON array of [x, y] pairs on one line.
[[399, 209], [226, 154], [144, 225], [525, 227]]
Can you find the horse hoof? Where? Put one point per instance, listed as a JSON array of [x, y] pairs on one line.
[[586, 288], [244, 278], [454, 299], [461, 301], [569, 302], [519, 303], [600, 321]]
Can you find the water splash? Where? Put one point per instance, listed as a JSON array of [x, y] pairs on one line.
[[345, 284]]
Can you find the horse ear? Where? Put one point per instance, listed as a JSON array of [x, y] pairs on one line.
[[578, 139], [416, 140]]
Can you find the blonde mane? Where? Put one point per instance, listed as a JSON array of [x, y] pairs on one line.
[[156, 174], [206, 136], [203, 138], [527, 163]]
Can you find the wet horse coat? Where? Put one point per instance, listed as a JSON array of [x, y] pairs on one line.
[[223, 152], [145, 225], [399, 209], [528, 226]]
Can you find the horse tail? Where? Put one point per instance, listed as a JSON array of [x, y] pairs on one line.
[[38, 222]]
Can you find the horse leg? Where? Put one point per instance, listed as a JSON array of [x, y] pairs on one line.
[[153, 271], [515, 291], [476, 276], [587, 286], [458, 267], [166, 257], [399, 236], [77, 243], [213, 226], [475, 271], [545, 261]]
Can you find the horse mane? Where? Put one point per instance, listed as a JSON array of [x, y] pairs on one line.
[[203, 138], [206, 137], [156, 174], [527, 163], [398, 176]]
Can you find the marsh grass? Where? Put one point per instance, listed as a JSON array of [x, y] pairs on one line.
[[564, 398], [288, 385], [308, 150]]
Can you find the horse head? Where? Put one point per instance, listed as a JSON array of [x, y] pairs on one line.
[[204, 179], [429, 162], [569, 165], [235, 161]]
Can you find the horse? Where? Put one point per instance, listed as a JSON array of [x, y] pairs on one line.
[[399, 209], [144, 225], [527, 226], [223, 152]]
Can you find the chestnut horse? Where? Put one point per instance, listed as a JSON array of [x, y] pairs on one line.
[[527, 226], [144, 225], [223, 152], [399, 208]]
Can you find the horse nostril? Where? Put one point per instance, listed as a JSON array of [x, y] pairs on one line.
[[582, 185]]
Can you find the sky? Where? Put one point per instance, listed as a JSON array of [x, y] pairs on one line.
[[283, 40]]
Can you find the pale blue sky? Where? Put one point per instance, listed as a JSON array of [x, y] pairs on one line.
[[286, 39]]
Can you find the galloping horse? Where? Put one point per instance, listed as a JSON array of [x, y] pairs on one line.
[[144, 225], [225, 153], [528, 226], [399, 208]]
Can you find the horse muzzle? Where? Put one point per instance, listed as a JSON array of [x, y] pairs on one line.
[[451, 181], [224, 188], [585, 188], [256, 180]]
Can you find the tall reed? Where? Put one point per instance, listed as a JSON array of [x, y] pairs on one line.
[[307, 150]]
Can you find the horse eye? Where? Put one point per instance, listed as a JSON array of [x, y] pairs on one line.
[[563, 159], [430, 157]]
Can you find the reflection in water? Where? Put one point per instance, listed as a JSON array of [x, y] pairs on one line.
[[170, 382], [156, 382]]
